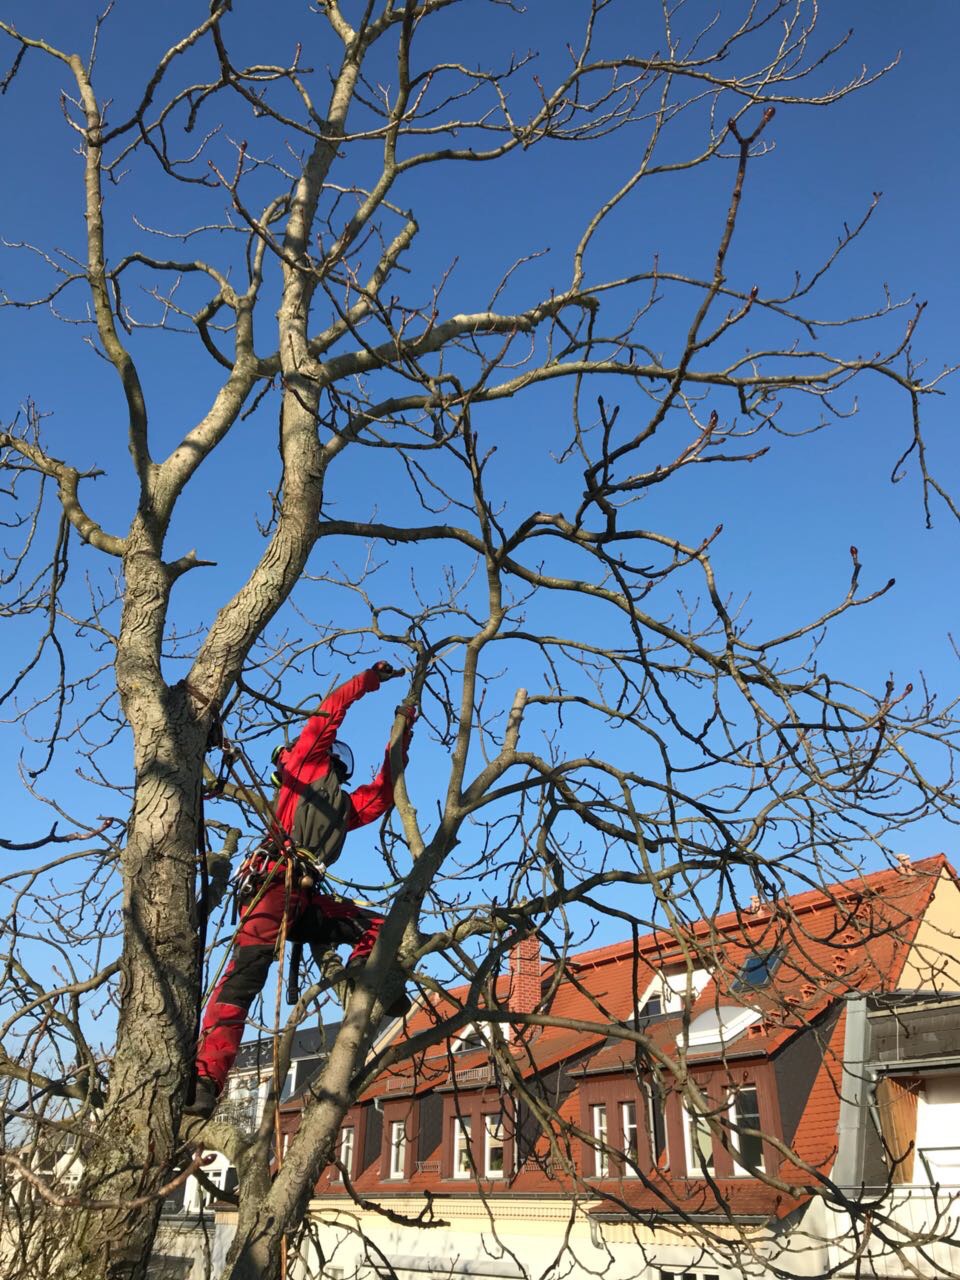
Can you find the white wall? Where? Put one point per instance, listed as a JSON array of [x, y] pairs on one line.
[[938, 1127]]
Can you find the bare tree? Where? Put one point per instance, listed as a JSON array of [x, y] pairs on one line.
[[654, 740]]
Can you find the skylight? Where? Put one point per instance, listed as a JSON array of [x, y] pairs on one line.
[[758, 969]]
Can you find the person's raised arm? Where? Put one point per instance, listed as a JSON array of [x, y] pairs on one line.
[[320, 731], [374, 799]]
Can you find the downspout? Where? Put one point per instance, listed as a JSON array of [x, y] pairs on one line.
[[856, 1095]]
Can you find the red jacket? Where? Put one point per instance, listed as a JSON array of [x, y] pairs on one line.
[[307, 762]]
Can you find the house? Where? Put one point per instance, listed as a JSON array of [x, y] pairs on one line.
[[677, 1111]]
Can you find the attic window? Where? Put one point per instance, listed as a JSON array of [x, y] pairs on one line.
[[471, 1040], [758, 969], [476, 1036], [671, 992]]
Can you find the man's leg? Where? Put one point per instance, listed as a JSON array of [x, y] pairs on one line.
[[242, 981], [332, 921]]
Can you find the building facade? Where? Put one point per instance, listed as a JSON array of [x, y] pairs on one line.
[[674, 1107]]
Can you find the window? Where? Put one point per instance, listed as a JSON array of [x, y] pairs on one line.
[[197, 1197], [462, 1167], [758, 969], [601, 1164], [657, 1127], [672, 992], [345, 1154], [745, 1114], [628, 1126], [469, 1040], [398, 1149], [699, 1142], [289, 1083], [689, 1275], [493, 1147]]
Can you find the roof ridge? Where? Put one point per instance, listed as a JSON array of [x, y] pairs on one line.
[[803, 903]]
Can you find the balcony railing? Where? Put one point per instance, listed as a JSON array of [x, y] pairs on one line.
[[239, 1112], [474, 1075], [915, 1233]]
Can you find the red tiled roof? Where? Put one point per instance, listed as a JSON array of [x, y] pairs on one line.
[[851, 936]]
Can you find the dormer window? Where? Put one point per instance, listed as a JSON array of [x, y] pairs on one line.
[[670, 992], [471, 1040], [475, 1037], [462, 1156], [745, 1125], [699, 1143]]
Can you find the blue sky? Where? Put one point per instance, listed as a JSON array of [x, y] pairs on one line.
[[788, 519]]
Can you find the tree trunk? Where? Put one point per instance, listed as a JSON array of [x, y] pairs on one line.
[[131, 1152], [256, 1250]]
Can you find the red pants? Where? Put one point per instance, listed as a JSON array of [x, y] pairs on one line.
[[316, 918]]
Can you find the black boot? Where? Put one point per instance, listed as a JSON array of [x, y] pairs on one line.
[[204, 1100], [398, 1006]]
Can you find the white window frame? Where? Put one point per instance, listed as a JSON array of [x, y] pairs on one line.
[[289, 1084], [692, 1121], [398, 1150], [697, 1035], [687, 1274], [345, 1150], [472, 1031], [197, 1196], [743, 1170], [493, 1126], [630, 1127], [598, 1127], [462, 1153]]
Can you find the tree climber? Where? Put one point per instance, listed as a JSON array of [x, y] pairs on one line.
[[313, 817]]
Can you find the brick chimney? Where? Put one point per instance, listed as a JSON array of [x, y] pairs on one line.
[[525, 975]]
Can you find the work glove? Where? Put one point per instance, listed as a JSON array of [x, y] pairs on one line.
[[386, 672], [408, 711]]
